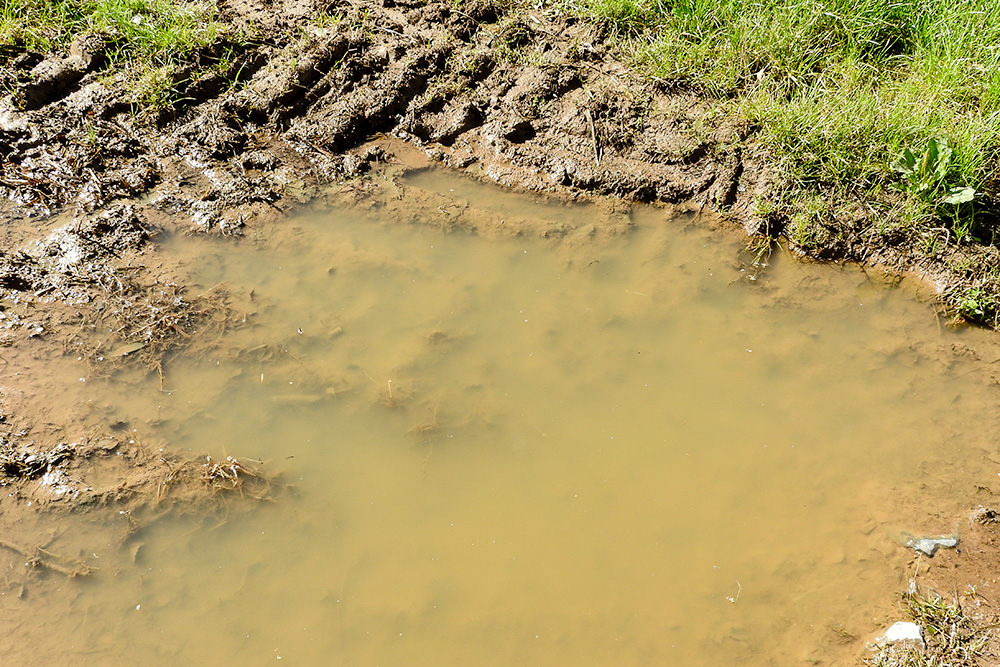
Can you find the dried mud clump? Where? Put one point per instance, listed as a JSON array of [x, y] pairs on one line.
[[18, 464]]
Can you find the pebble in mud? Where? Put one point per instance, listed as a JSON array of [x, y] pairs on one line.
[[904, 633], [929, 545]]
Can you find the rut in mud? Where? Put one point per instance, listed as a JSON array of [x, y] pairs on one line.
[[535, 100]]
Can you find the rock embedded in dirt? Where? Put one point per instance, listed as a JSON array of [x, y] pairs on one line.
[[930, 545], [904, 633]]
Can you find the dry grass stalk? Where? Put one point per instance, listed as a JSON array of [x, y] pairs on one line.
[[233, 474], [952, 637]]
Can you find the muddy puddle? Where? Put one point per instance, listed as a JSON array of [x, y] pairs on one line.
[[608, 446]]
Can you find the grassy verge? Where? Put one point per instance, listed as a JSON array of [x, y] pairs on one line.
[[157, 31], [145, 38], [892, 102]]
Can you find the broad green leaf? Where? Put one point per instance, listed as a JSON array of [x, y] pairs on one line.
[[906, 162], [960, 196]]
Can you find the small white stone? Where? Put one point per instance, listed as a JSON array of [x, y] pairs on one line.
[[904, 632]]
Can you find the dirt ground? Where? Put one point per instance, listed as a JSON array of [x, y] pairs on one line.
[[296, 95], [966, 580]]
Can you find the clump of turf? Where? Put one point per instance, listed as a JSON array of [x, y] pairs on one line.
[[146, 39]]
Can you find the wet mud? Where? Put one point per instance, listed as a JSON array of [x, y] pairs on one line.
[[291, 101]]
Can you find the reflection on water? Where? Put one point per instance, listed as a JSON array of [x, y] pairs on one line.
[[604, 449]]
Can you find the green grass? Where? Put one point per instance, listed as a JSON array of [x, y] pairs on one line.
[[840, 88], [156, 30], [145, 38]]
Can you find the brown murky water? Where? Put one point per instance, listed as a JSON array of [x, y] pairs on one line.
[[591, 449]]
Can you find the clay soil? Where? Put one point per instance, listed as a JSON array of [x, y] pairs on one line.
[[292, 97]]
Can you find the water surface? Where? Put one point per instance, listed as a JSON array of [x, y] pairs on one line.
[[593, 448]]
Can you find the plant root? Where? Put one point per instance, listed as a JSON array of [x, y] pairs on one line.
[[35, 559]]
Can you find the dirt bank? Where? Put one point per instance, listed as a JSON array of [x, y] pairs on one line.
[[535, 100]]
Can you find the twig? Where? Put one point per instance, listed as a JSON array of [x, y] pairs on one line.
[[593, 137], [739, 590], [455, 11], [33, 559], [396, 32]]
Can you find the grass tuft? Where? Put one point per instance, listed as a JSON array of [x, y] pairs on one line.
[[952, 638], [155, 30], [840, 88], [146, 38]]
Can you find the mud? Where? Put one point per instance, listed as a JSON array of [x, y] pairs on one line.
[[286, 102], [291, 99], [536, 101], [966, 576]]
